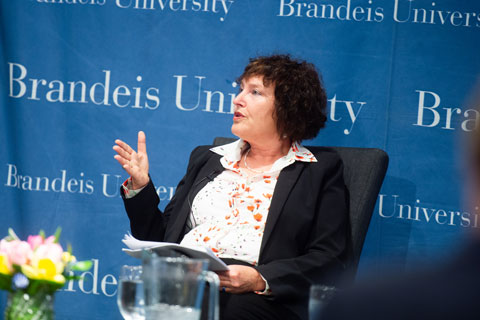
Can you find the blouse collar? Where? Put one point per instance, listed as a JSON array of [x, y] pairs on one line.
[[231, 154]]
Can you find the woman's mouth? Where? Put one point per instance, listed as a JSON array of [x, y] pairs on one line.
[[237, 115]]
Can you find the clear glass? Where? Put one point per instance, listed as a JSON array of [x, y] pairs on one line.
[[174, 288], [320, 296], [130, 293]]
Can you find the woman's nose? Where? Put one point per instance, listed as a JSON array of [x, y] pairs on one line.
[[238, 101]]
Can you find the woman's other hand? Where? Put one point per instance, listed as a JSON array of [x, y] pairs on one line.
[[241, 279], [134, 162]]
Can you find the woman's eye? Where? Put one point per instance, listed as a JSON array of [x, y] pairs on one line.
[[256, 92]]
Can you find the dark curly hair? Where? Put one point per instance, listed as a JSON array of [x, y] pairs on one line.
[[300, 99]]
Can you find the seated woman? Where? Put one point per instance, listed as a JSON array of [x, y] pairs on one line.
[[273, 210]]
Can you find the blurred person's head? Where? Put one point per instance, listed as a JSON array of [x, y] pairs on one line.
[[475, 144], [472, 173]]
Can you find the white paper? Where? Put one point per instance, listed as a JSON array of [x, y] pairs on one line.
[[136, 246]]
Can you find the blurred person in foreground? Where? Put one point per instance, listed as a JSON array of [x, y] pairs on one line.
[[447, 291], [270, 208]]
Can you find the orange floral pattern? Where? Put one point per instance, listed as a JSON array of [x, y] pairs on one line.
[[230, 212]]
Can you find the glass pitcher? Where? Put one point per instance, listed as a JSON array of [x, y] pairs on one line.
[[174, 288]]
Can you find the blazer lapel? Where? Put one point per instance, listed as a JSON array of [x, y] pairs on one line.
[[203, 173], [286, 180]]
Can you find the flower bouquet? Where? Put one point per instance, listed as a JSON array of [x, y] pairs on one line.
[[31, 271]]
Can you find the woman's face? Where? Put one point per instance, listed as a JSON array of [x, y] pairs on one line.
[[254, 111]]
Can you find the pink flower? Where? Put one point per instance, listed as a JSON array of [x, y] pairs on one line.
[[34, 241], [18, 252], [3, 246], [52, 251], [49, 240]]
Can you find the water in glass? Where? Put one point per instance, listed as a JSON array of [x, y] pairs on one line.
[[131, 299], [130, 296], [166, 311]]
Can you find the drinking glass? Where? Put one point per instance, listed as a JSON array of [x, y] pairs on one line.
[[320, 296], [130, 293]]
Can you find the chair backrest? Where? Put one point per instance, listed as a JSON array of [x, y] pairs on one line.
[[364, 171]]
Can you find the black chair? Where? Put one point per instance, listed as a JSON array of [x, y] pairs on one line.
[[364, 171]]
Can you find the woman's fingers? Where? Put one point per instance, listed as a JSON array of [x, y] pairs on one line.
[[124, 145], [142, 143], [121, 156], [121, 160], [123, 149], [130, 162], [225, 281]]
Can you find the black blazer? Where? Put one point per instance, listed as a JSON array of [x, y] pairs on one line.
[[306, 238]]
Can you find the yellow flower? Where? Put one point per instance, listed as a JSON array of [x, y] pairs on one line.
[[44, 269], [30, 272], [59, 278], [47, 268], [4, 264], [68, 257]]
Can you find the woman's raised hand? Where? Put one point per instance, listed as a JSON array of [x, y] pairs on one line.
[[135, 163]]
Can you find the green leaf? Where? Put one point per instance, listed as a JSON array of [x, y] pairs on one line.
[[44, 285], [5, 282], [68, 277], [42, 234], [82, 265], [12, 235], [57, 234]]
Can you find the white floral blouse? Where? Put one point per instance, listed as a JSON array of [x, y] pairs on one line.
[[230, 212]]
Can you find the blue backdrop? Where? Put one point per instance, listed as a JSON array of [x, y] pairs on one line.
[[77, 74]]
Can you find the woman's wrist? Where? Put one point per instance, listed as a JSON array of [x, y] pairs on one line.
[[261, 283], [139, 184], [264, 288]]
